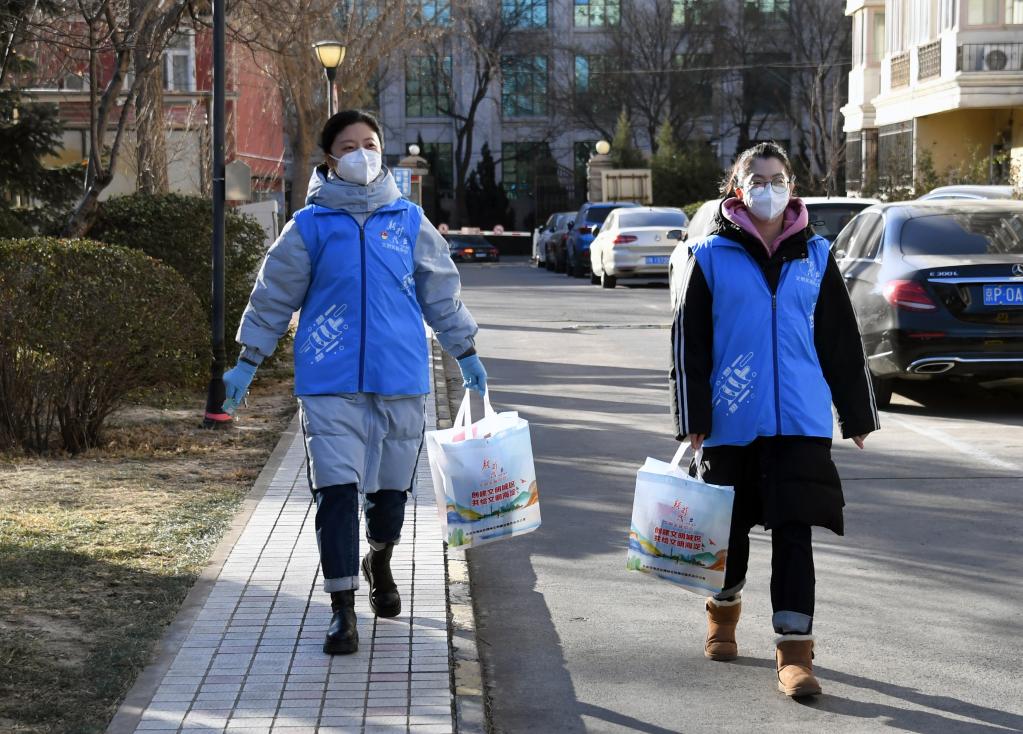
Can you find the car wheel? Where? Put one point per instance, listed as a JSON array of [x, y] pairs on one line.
[[569, 266], [594, 279], [883, 387], [608, 281]]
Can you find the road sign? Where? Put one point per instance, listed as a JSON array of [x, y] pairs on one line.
[[498, 229], [443, 228]]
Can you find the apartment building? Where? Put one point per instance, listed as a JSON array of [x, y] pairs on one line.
[[933, 83], [558, 52]]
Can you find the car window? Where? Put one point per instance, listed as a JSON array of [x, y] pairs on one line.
[[652, 219], [841, 245], [597, 214], [866, 236], [988, 232], [828, 220]]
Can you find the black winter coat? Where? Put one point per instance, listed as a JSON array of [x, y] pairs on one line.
[[778, 479]]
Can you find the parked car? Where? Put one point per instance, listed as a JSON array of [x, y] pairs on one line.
[[553, 228], [635, 243], [830, 214], [472, 248], [968, 192], [577, 244], [938, 289]]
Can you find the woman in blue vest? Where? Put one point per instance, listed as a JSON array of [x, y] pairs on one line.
[[364, 267], [764, 342]]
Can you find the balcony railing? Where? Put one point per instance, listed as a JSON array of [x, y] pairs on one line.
[[900, 70], [990, 57], [928, 61]]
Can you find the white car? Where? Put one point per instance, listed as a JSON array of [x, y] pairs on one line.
[[635, 243]]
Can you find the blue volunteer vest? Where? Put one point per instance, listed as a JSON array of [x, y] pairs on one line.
[[766, 379], [361, 327]]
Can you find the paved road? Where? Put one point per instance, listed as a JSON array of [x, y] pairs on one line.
[[920, 605]]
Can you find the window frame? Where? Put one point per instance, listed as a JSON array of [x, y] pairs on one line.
[[436, 92], [172, 52], [589, 11], [510, 109]]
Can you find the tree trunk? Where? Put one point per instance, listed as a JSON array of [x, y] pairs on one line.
[[150, 132], [301, 154], [82, 218]]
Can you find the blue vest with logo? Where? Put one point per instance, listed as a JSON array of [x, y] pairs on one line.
[[361, 327], [766, 379]]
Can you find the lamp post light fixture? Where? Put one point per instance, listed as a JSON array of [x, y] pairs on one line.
[[603, 147], [413, 149], [330, 55]]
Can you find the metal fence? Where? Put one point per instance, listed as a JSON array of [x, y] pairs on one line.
[[928, 58], [1008, 57], [900, 70]]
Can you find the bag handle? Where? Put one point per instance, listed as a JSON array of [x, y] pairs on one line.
[[464, 418], [676, 462]]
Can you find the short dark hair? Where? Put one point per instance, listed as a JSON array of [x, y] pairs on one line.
[[744, 163], [341, 120]]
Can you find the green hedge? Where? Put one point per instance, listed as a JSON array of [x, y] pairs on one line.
[[691, 209], [178, 230], [84, 324]]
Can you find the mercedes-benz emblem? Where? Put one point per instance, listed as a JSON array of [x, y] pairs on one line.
[[1017, 270]]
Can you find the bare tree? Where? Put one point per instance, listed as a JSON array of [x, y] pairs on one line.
[[467, 51], [820, 38], [280, 35]]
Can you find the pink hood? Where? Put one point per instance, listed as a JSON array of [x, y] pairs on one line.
[[796, 220]]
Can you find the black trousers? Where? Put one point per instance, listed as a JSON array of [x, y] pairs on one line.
[[793, 581], [337, 529]]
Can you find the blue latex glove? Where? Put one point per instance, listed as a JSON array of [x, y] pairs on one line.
[[236, 385], [474, 376]]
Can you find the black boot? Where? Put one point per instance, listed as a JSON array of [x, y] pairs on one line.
[[383, 592], [342, 635]]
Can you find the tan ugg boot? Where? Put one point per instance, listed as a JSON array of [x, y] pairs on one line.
[[794, 656], [722, 617]]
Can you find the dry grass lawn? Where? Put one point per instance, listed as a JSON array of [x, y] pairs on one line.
[[98, 551]]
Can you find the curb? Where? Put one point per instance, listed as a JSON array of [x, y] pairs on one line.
[[467, 683], [130, 711]]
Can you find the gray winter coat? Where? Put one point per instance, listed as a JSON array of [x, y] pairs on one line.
[[369, 440]]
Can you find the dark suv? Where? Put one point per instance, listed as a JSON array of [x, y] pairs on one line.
[[580, 234]]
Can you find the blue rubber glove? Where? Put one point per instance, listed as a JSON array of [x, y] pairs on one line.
[[474, 377], [236, 384]]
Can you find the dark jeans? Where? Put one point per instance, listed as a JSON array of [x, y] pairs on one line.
[[337, 529], [792, 574]]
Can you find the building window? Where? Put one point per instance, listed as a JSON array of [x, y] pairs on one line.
[[519, 167], [441, 158], [1014, 12], [895, 154], [524, 86], [767, 85], [689, 12], [426, 86], [982, 12], [524, 13], [769, 10], [596, 13], [430, 12], [589, 72], [854, 161], [179, 63], [877, 47]]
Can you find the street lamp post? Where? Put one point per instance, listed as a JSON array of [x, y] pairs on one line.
[[215, 416], [330, 55]]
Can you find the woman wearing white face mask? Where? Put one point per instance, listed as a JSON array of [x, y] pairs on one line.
[[364, 267], [764, 342]]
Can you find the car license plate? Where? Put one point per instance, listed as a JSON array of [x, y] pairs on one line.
[[1003, 295], [658, 260], [481, 254]]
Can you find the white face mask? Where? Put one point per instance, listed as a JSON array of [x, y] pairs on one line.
[[360, 166], [765, 203]]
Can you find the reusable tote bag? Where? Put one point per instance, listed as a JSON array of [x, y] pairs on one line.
[[680, 526], [483, 476]]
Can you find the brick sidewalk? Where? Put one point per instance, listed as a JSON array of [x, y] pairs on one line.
[[251, 660]]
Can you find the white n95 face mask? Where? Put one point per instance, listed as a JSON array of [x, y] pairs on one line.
[[765, 203], [360, 166]]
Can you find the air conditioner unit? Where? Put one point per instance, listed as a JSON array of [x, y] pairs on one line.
[[999, 57]]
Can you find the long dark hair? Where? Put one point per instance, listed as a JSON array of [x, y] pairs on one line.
[[744, 164], [339, 122]]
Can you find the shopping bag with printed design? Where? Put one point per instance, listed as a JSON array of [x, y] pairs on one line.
[[483, 477], [680, 526]]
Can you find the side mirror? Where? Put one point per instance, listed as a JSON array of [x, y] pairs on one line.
[[595, 231], [570, 225], [675, 234], [840, 254]]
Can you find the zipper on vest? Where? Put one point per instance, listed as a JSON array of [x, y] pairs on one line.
[[362, 333], [777, 379]]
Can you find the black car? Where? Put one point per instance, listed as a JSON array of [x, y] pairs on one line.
[[472, 248], [938, 289]]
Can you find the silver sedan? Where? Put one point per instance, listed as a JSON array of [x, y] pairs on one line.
[[636, 243]]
